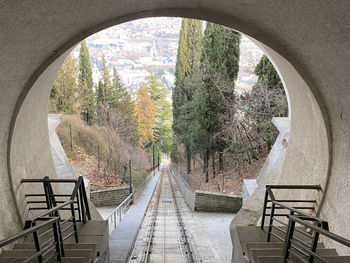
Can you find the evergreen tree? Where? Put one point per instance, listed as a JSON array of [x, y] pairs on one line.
[[107, 85], [63, 93], [162, 128], [267, 74], [87, 98], [219, 66], [101, 101], [188, 56]]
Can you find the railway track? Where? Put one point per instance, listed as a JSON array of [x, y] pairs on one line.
[[164, 237]]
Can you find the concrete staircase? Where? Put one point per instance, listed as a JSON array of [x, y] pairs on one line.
[[250, 245], [92, 246]]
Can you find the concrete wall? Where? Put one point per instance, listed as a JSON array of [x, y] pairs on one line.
[[307, 40], [109, 197], [186, 190]]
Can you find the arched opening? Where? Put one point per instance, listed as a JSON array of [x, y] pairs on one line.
[[307, 145]]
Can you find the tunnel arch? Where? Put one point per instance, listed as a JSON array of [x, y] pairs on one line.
[[310, 131]]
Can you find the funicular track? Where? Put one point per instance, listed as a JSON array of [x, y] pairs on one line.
[[166, 239]]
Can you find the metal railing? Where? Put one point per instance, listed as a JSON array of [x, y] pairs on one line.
[[78, 201], [45, 249], [116, 216], [281, 205], [304, 252], [50, 229]]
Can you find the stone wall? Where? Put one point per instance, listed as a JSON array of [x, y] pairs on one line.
[[217, 202], [208, 201], [110, 197]]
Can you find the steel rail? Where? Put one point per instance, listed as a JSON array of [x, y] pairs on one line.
[[154, 218], [181, 222]]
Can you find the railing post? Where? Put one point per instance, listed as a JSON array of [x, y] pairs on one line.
[[115, 220], [74, 223], [82, 206], [84, 195], [47, 192], [288, 241], [264, 210], [79, 208], [272, 213], [58, 241], [37, 245], [315, 238], [153, 161], [314, 245], [130, 177]]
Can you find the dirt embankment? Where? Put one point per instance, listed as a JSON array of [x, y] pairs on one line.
[[229, 181]]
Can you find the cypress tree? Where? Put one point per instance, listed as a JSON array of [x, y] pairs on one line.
[[219, 66], [188, 57], [88, 106], [101, 100]]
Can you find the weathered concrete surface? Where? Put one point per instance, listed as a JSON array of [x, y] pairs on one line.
[[62, 165], [249, 186], [307, 40], [187, 193], [272, 169], [216, 226]]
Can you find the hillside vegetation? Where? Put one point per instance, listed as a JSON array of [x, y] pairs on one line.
[[100, 154], [217, 132], [214, 135]]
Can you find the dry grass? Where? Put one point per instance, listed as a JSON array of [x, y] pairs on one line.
[[100, 154]]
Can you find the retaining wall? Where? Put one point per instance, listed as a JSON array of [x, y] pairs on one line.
[[187, 193], [207, 201], [110, 197], [217, 202]]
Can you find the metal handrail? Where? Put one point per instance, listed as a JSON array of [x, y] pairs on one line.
[[40, 250], [52, 210], [320, 229], [78, 196], [78, 193], [269, 194], [278, 204], [118, 212]]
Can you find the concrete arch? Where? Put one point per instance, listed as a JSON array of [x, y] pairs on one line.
[[35, 40]]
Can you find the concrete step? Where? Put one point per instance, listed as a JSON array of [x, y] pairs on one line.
[[277, 252], [81, 253], [329, 259], [92, 247], [52, 260], [249, 246]]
